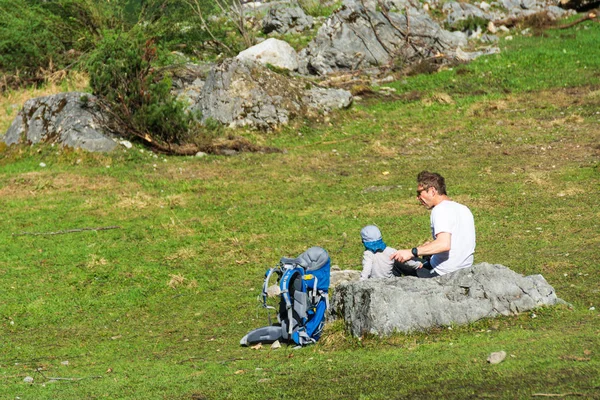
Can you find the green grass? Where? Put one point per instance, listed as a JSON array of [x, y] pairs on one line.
[[156, 308]]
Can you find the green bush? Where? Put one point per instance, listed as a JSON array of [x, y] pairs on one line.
[[38, 38], [469, 24], [316, 8], [124, 74]]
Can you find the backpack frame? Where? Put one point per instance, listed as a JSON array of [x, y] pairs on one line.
[[303, 286]]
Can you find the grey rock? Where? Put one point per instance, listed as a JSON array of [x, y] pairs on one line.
[[327, 99], [282, 19], [359, 37], [496, 357], [470, 56], [391, 5], [242, 92], [557, 12], [487, 38], [461, 11], [344, 276], [274, 52], [188, 81], [401, 5], [407, 304], [65, 118]]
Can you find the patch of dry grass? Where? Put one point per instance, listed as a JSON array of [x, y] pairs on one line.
[[31, 184], [178, 280], [11, 101], [185, 253]]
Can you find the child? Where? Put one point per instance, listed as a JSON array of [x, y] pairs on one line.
[[377, 261]]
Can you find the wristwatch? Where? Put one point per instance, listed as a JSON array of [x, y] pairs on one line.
[[415, 252]]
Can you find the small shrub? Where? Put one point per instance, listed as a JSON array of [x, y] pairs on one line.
[[470, 24], [124, 76], [278, 70], [37, 40], [315, 8]]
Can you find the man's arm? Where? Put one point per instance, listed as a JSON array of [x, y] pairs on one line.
[[439, 245]]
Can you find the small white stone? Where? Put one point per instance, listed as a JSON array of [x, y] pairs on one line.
[[28, 379], [496, 357], [592, 308], [275, 345], [42, 164], [126, 143]]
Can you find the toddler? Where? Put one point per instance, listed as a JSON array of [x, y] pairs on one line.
[[377, 261]]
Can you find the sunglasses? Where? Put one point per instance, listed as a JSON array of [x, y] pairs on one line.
[[419, 191]]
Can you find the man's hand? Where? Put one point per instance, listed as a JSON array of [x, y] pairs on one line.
[[402, 255]]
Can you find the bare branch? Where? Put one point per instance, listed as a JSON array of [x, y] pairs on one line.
[[195, 6], [104, 228]]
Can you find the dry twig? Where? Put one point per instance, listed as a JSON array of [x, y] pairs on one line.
[[592, 15], [102, 228]]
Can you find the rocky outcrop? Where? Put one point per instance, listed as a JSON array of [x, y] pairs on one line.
[[188, 81], [359, 37], [286, 19], [241, 92], [70, 119], [384, 306], [505, 10]]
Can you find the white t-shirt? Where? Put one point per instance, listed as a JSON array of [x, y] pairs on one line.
[[456, 219]]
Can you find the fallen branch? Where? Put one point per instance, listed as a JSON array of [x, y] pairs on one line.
[[73, 379], [39, 371], [556, 394], [102, 228], [590, 16], [328, 142]]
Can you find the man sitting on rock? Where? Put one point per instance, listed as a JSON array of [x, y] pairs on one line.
[[452, 228]]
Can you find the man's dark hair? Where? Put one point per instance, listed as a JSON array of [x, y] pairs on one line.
[[432, 179]]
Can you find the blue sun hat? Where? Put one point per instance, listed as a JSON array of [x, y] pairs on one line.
[[371, 237]]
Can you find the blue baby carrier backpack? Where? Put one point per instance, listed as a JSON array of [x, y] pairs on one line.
[[303, 286]]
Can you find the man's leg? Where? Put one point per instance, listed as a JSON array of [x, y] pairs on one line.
[[409, 267], [414, 267], [426, 273]]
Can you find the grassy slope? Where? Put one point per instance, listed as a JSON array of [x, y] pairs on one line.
[[155, 309]]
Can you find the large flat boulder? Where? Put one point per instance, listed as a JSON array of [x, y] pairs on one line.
[[385, 306]]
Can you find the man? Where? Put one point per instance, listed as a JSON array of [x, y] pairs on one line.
[[452, 229]]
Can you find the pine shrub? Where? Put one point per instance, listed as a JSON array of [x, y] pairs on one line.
[[124, 75]]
